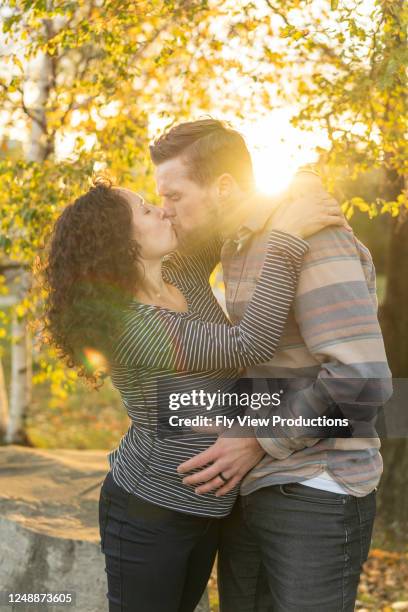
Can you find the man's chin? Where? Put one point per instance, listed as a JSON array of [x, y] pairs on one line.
[[191, 241]]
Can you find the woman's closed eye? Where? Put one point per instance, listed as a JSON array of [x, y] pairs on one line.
[[145, 209], [143, 206]]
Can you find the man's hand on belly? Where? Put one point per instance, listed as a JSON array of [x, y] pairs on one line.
[[234, 457]]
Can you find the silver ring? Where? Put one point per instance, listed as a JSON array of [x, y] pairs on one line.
[[221, 475]]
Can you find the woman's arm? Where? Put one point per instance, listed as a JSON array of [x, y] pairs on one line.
[[165, 339]]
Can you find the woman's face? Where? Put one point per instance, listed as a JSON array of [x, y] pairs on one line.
[[151, 229]]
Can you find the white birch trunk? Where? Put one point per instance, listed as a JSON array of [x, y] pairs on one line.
[[37, 89], [5, 302], [3, 403], [21, 386]]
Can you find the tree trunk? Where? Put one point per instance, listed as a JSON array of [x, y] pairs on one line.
[[394, 311], [3, 403], [20, 388], [6, 301], [393, 492], [40, 78], [393, 498]]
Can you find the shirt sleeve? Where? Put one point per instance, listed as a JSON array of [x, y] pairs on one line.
[[336, 311], [164, 339]]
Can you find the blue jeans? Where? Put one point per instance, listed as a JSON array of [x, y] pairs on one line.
[[293, 548], [157, 560]]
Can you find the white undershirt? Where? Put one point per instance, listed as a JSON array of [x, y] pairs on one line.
[[325, 482]]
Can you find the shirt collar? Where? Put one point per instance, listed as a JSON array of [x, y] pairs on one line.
[[252, 224], [257, 219]]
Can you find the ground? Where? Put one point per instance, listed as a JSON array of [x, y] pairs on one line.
[[96, 420]]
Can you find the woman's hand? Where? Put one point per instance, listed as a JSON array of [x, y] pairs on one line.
[[307, 215]]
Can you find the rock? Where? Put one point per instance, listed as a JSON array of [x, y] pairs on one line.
[[49, 530]]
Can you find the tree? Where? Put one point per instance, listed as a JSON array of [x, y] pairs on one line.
[[3, 402], [353, 83], [93, 73], [109, 68], [349, 76]]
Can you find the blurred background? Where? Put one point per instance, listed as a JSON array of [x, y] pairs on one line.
[[86, 85]]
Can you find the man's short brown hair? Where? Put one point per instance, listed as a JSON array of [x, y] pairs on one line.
[[209, 148]]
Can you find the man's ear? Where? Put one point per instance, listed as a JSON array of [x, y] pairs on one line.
[[225, 186]]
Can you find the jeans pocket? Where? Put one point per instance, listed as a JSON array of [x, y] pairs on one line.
[[301, 492], [104, 503]]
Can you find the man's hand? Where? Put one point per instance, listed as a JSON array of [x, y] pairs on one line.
[[234, 457]]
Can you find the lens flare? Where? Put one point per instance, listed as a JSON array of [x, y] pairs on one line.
[[94, 360]]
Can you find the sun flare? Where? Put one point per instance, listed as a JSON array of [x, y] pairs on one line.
[[273, 170], [278, 149]]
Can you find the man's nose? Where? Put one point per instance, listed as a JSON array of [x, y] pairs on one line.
[[168, 211]]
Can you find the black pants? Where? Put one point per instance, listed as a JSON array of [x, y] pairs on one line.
[[157, 560], [292, 548]]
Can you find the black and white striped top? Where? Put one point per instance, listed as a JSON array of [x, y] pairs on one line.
[[161, 351]]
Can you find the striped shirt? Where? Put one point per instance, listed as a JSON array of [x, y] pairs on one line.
[[160, 351], [332, 333]]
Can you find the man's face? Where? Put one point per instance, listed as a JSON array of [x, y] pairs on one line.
[[192, 208]]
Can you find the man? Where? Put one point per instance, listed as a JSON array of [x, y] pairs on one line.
[[287, 547]]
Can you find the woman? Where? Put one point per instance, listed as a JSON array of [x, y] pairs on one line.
[[116, 286]]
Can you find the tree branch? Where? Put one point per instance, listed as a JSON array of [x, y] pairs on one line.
[[320, 45]]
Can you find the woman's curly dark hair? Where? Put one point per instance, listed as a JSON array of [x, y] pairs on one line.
[[89, 276]]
